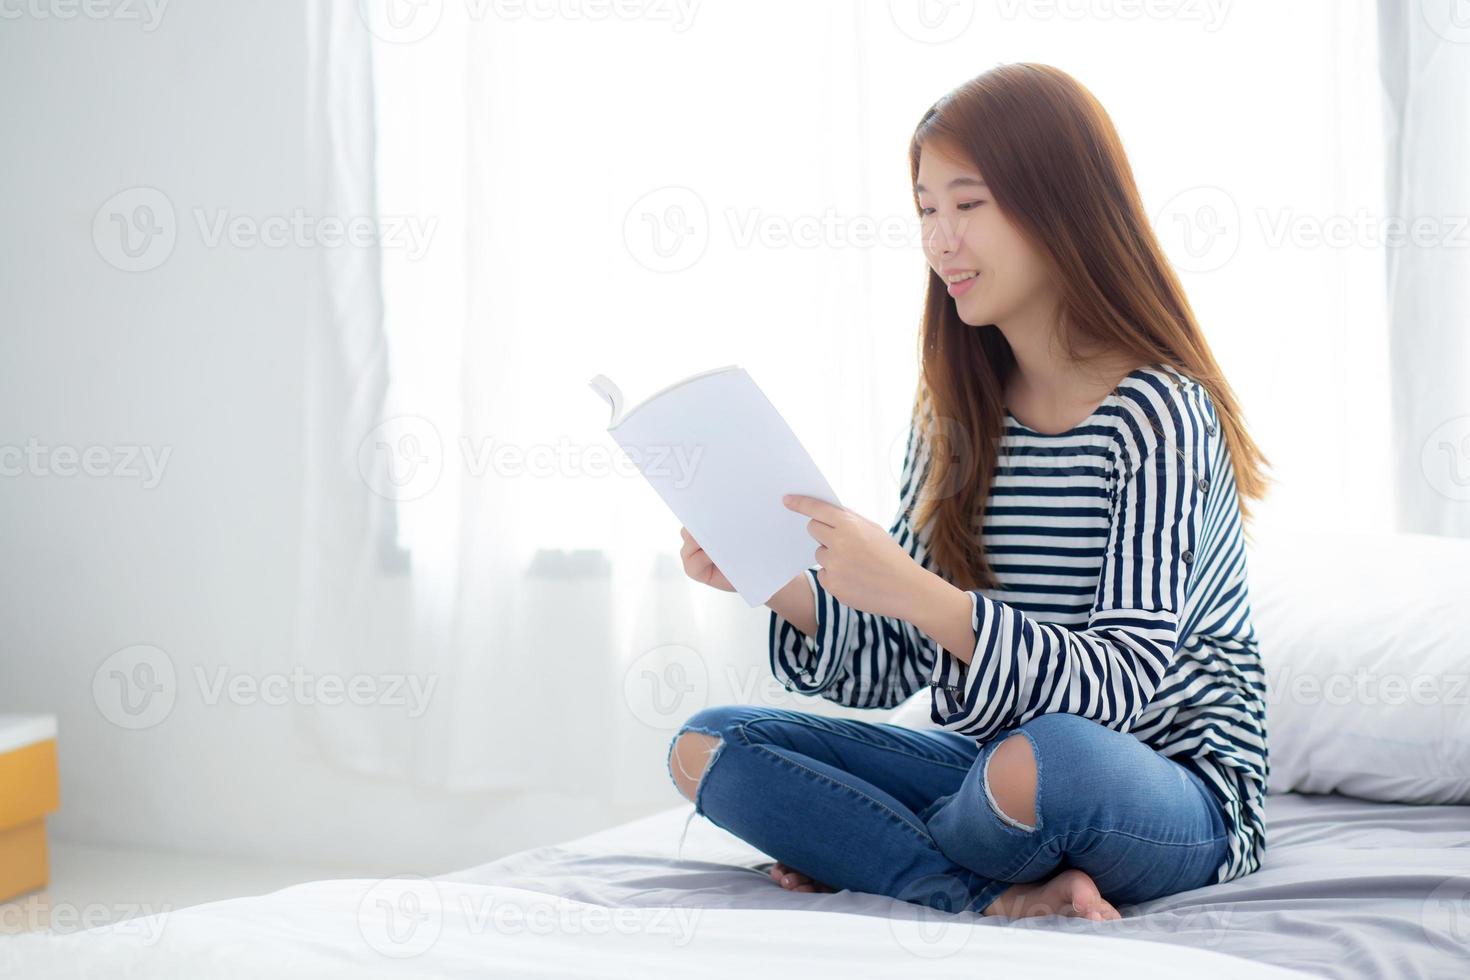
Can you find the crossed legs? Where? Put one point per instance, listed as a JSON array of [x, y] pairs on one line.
[[1010, 776]]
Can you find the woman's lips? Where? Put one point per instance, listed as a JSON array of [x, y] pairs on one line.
[[960, 288]]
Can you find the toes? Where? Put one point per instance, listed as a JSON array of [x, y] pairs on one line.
[[793, 880], [1097, 911], [786, 877]]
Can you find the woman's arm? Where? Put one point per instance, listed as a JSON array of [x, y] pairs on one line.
[[822, 646], [1018, 667], [795, 603], [946, 612]]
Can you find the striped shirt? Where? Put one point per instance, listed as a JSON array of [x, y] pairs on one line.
[[1123, 598]]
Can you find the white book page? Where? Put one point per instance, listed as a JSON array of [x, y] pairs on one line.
[[721, 457]]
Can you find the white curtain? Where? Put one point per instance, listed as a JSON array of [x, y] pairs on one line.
[[704, 184], [1426, 77]]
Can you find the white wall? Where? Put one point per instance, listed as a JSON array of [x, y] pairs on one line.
[[201, 356]]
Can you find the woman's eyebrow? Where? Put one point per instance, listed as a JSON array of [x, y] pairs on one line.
[[957, 182]]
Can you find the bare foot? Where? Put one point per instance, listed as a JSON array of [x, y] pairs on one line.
[[1072, 893], [792, 880]]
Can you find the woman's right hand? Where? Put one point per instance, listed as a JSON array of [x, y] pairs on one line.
[[699, 566]]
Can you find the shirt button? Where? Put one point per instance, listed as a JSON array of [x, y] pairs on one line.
[[1204, 484], [1210, 428], [1188, 556]]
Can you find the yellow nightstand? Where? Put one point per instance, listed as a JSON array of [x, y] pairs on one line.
[[29, 789]]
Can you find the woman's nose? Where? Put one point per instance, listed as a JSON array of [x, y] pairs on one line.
[[942, 238]]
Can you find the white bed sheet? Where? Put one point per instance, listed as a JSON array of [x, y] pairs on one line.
[[1350, 889]]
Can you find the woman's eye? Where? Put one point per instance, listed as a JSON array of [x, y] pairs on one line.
[[967, 206]]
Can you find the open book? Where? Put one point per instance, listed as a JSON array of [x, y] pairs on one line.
[[722, 457]]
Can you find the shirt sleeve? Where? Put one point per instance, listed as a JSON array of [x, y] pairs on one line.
[[856, 658], [1108, 671]]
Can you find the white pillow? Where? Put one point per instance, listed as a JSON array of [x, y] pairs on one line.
[[1366, 643], [1365, 640]]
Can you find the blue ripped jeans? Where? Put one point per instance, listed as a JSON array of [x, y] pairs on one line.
[[879, 808]]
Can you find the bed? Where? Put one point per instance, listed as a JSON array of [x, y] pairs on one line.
[[1350, 888], [1366, 872]]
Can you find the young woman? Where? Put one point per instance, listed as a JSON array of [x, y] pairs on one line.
[[1066, 572]]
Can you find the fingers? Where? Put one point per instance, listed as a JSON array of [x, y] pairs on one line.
[[819, 531], [812, 507], [691, 547]]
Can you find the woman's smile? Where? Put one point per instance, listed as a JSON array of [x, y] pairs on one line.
[[958, 289]]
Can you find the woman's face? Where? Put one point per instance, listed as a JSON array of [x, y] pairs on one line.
[[964, 231]]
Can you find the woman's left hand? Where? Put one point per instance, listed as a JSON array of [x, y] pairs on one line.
[[863, 567]]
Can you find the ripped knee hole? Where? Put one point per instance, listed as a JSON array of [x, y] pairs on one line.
[[690, 759], [1013, 793]]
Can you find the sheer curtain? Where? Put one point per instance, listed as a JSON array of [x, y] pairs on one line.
[[671, 188], [1426, 76]]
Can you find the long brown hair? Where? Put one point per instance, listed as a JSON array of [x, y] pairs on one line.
[[1053, 162]]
